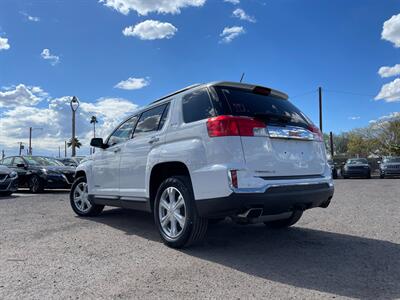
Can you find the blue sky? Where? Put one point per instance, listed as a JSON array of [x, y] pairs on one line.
[[291, 45]]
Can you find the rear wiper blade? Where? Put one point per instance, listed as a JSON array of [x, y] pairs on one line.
[[273, 117]]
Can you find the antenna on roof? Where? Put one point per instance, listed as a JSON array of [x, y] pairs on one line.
[[241, 78]]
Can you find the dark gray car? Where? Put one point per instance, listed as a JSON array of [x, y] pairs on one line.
[[390, 166], [356, 167]]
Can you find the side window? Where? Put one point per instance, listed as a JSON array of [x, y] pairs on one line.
[[149, 120], [123, 132], [17, 161], [7, 161], [197, 106]]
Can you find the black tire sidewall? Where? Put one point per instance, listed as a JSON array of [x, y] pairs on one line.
[[182, 184], [39, 187]]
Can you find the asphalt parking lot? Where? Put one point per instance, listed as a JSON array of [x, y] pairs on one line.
[[351, 249]]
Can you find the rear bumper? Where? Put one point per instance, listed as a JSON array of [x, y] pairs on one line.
[[276, 200]]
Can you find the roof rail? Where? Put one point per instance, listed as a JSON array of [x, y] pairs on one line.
[[177, 92]]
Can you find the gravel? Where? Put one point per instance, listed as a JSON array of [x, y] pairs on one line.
[[350, 250]]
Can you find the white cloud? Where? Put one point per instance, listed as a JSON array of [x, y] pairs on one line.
[[391, 116], [21, 95], [143, 7], [151, 30], [230, 33], [54, 59], [389, 71], [390, 92], [133, 83], [235, 2], [4, 45], [391, 30], [55, 121], [241, 14], [30, 18], [354, 118]]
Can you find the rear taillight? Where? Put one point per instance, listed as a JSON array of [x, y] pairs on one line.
[[235, 126], [317, 133]]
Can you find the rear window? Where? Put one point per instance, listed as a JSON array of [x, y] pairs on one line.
[[196, 106], [242, 102]]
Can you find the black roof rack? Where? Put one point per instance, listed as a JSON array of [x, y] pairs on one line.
[[177, 92]]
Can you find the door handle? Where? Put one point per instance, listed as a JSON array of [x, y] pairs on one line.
[[116, 150], [153, 139]]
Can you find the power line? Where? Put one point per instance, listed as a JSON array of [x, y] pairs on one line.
[[303, 94], [349, 93]]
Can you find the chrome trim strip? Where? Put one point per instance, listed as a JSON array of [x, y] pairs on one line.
[[135, 199], [106, 197], [266, 187], [290, 132]]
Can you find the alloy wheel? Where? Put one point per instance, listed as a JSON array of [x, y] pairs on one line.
[[80, 197], [172, 212]]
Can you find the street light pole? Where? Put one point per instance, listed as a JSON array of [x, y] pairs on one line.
[[30, 141], [74, 106]]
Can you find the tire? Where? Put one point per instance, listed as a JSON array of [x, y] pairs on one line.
[[83, 206], [192, 228], [369, 176], [346, 177], [215, 221], [35, 184], [5, 194], [285, 222], [382, 176]]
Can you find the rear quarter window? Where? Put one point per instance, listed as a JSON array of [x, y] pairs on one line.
[[197, 106]]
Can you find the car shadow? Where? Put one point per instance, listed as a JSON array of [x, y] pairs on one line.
[[328, 262], [55, 191]]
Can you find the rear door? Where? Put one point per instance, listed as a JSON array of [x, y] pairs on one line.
[[290, 145]]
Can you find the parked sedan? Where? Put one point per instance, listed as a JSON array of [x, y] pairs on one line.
[[390, 166], [8, 181], [356, 167], [39, 173]]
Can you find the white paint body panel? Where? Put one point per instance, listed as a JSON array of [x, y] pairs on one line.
[[208, 160]]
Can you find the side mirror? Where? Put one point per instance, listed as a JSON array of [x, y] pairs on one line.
[[21, 166], [98, 143]]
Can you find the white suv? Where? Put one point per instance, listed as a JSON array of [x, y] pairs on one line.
[[207, 152]]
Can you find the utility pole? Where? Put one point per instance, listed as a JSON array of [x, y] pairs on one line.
[[2, 154], [320, 107], [65, 148], [331, 143], [59, 151], [30, 141]]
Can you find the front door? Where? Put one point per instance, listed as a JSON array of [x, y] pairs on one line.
[[106, 162]]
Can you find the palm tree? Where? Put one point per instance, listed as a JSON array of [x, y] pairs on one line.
[[93, 120], [77, 142]]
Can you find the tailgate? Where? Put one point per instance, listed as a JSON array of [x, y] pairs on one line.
[[287, 151]]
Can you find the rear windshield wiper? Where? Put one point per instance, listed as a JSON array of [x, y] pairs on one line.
[[271, 117]]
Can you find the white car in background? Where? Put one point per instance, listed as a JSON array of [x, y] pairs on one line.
[[208, 152]]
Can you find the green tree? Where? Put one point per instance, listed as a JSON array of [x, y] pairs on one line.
[[78, 144]]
